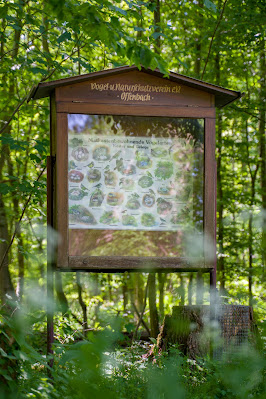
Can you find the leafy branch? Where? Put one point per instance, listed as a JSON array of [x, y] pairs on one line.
[[47, 76], [19, 222]]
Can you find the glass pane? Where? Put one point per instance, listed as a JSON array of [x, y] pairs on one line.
[[135, 184]]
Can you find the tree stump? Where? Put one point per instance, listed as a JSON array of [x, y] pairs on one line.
[[188, 325], [184, 328]]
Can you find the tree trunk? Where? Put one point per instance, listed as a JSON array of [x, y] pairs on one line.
[[110, 287], [161, 280], [6, 286], [21, 267], [139, 290], [220, 199], [62, 299], [154, 319], [250, 264], [199, 21], [95, 291], [157, 21], [20, 245], [125, 292], [262, 115], [82, 303], [199, 289], [189, 289], [253, 176], [250, 237], [184, 328], [182, 291], [220, 206]]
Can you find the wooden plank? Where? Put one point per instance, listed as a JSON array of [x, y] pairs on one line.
[[50, 265], [49, 191], [52, 125], [213, 274], [52, 168], [222, 96], [133, 88], [62, 189], [137, 110], [134, 263], [210, 194]]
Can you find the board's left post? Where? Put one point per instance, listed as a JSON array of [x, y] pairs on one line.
[[50, 266]]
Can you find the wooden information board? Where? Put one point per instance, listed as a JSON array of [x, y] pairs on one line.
[[133, 175]]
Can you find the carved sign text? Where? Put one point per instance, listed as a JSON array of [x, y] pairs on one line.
[[135, 92]]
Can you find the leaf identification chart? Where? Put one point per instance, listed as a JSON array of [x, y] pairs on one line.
[[122, 179]]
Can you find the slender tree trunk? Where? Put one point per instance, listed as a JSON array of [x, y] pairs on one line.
[[182, 291], [139, 313], [125, 292], [132, 284], [62, 299], [96, 292], [21, 266], [199, 289], [2, 44], [82, 303], [154, 319], [190, 288], [110, 287], [45, 44], [139, 290], [140, 316], [20, 241], [41, 265], [157, 22], [6, 286], [220, 205], [197, 65], [136, 293], [161, 281], [20, 246], [263, 153], [250, 236], [140, 23], [250, 253], [220, 199], [253, 176]]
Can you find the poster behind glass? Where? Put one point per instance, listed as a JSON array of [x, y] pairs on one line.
[[135, 184]]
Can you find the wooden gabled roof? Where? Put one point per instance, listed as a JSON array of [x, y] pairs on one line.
[[222, 96]]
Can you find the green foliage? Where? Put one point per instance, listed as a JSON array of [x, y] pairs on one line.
[[52, 39], [97, 366]]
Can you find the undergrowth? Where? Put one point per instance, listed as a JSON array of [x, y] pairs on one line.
[[98, 367]]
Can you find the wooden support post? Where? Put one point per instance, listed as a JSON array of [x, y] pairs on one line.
[[210, 202], [50, 256]]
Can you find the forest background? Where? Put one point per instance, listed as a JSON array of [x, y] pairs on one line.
[[222, 42]]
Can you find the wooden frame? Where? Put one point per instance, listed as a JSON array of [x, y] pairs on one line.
[[75, 96], [126, 263], [68, 96]]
